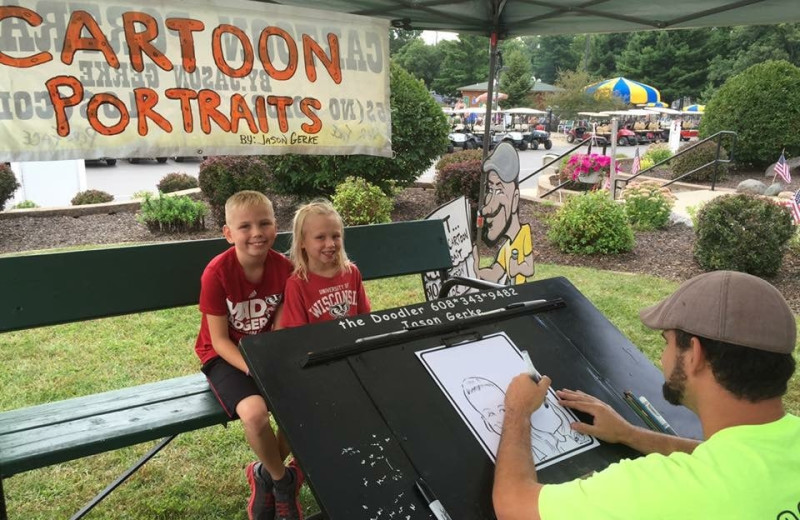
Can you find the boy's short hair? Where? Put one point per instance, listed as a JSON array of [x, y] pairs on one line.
[[296, 254], [247, 199]]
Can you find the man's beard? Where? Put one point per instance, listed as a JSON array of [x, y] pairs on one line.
[[675, 387], [500, 236]]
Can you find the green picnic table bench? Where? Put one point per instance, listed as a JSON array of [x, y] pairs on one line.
[[54, 288]]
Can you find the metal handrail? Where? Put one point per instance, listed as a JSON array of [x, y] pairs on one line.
[[716, 162]]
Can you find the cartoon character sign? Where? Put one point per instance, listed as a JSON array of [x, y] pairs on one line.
[[500, 209]]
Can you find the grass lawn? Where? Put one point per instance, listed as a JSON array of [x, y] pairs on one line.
[[201, 474]]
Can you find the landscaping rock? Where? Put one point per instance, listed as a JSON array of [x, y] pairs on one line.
[[752, 187], [773, 190], [793, 163]]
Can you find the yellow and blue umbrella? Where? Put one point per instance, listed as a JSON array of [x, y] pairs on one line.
[[656, 104], [695, 108], [627, 90]]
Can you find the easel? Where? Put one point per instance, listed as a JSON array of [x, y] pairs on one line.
[[366, 420]]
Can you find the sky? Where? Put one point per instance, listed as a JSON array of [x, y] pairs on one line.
[[430, 36]]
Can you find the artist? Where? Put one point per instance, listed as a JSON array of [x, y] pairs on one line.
[[514, 261], [728, 357]]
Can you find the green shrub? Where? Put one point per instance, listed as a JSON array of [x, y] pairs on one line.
[[222, 176], [645, 163], [647, 205], [172, 214], [459, 156], [91, 197], [26, 204], [757, 105], [176, 182], [591, 223], [742, 233], [457, 179], [699, 155], [658, 152], [419, 135], [359, 202], [8, 184]]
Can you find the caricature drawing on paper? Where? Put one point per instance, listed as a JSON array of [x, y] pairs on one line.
[[550, 433], [473, 376]]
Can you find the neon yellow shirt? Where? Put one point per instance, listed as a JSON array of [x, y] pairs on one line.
[[523, 244], [741, 472]]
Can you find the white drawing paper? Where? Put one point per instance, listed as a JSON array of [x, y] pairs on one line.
[[455, 215], [474, 375]]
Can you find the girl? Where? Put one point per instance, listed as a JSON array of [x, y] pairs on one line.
[[325, 285]]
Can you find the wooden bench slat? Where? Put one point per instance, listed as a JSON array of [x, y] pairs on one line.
[[54, 288], [43, 442], [14, 421]]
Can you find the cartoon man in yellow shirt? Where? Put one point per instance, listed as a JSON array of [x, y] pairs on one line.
[[514, 261]]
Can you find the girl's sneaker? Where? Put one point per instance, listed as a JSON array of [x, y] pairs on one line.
[[262, 500]]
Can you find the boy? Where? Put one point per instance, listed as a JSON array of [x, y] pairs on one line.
[[241, 293]]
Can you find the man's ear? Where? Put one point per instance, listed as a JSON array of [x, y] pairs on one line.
[[226, 232], [515, 202], [696, 357]]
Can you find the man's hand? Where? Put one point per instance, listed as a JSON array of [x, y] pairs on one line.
[[524, 396], [608, 426]]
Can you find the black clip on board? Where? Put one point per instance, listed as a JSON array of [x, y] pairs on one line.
[[404, 335]]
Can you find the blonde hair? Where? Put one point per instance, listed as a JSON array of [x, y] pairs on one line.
[[298, 256], [247, 199]]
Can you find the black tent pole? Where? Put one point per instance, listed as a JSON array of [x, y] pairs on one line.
[[487, 135]]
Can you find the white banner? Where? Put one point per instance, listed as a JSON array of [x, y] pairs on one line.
[[107, 78]]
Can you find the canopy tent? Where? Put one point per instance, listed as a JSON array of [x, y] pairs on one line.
[[697, 109], [627, 90], [509, 18], [524, 111], [656, 104]]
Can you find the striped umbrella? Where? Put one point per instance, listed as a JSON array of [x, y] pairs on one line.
[[695, 108], [627, 90], [656, 104]]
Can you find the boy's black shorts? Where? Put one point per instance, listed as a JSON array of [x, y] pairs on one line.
[[229, 384]]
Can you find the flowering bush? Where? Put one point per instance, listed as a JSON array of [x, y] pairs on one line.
[[647, 205], [587, 164]]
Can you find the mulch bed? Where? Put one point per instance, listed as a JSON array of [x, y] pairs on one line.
[[665, 253]]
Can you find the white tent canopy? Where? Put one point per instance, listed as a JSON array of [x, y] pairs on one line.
[[523, 110]]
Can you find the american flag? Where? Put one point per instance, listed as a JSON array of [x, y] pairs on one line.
[[782, 169], [637, 163], [794, 207]]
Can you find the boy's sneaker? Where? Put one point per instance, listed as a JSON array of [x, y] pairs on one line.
[[262, 500], [287, 494]]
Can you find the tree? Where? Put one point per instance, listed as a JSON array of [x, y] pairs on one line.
[[552, 54], [516, 81], [573, 99], [398, 38], [603, 53], [419, 135], [672, 61], [464, 62], [759, 105], [421, 60]]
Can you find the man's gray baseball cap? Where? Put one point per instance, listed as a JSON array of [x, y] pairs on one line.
[[729, 306], [503, 160]]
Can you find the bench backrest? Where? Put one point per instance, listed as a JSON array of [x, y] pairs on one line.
[[51, 288]]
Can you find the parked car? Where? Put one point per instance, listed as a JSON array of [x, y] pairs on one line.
[[110, 161], [137, 160]]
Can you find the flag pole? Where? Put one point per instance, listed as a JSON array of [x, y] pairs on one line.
[[776, 171]]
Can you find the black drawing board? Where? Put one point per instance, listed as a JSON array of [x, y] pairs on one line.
[[366, 425]]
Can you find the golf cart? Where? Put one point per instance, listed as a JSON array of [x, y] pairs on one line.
[[624, 135], [531, 137], [582, 130], [463, 136]]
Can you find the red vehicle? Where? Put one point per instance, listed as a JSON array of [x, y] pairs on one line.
[[580, 132]]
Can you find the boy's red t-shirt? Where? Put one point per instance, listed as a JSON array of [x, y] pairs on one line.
[[250, 307], [323, 299]]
